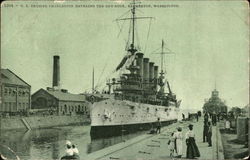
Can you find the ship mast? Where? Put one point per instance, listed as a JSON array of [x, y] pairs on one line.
[[132, 48], [161, 78], [161, 82], [93, 81], [133, 25]]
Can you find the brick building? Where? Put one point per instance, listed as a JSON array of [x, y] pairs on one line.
[[15, 93], [60, 102]]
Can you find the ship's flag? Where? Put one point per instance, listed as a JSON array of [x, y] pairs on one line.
[[121, 63], [126, 61]]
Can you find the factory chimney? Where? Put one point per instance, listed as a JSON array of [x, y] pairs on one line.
[[56, 72]]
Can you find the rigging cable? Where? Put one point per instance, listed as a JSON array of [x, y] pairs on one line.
[[149, 27], [137, 36], [129, 32]]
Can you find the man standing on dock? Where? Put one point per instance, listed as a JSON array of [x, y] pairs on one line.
[[158, 126], [209, 135], [205, 131]]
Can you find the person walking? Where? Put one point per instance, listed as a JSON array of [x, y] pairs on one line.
[[205, 131], [206, 117], [158, 126], [214, 119], [178, 142], [209, 135], [183, 116], [192, 149], [197, 117]]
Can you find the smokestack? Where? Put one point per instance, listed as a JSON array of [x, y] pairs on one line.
[[139, 63], [145, 69], [56, 72], [151, 71], [156, 72]]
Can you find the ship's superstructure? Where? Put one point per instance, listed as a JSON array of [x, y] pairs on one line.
[[137, 99]]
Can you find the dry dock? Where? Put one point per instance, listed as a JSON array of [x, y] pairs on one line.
[[155, 146]]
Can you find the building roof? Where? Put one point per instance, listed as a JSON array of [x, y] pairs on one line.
[[9, 77], [64, 96]]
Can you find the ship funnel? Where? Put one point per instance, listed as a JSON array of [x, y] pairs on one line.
[[151, 71], [156, 77], [146, 69], [156, 72], [139, 63], [56, 72]]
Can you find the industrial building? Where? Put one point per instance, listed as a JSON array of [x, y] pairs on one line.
[[15, 93], [55, 100], [60, 102]]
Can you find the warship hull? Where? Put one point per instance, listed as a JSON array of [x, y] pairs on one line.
[[119, 117]]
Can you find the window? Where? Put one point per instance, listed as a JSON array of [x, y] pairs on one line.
[[20, 106], [13, 92], [14, 106], [10, 91], [65, 108], [79, 108], [5, 91], [5, 106], [9, 109]]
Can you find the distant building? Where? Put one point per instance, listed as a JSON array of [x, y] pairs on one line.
[[215, 104], [15, 93], [59, 102]]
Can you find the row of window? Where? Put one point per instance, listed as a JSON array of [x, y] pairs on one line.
[[76, 108], [11, 106], [132, 116], [14, 92]]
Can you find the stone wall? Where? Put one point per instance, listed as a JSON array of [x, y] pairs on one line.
[[41, 122]]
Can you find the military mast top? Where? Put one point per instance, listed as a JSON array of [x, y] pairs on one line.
[[132, 48]]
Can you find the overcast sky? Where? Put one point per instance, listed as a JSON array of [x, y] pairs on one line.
[[209, 39]]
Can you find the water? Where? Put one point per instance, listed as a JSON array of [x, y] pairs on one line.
[[50, 143]]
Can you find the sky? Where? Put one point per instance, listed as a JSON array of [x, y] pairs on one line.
[[210, 42]]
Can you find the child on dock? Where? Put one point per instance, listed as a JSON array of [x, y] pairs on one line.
[[171, 145]]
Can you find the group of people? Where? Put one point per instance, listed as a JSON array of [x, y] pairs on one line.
[[71, 151], [175, 144]]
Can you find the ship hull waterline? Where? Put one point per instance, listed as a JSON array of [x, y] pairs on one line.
[[97, 132]]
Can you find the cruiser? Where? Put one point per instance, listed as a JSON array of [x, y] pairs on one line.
[[135, 100]]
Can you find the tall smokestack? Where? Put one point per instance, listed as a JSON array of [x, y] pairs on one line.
[[151, 71], [145, 69], [56, 72], [140, 64]]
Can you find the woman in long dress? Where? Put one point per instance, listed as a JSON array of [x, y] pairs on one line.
[[192, 149], [178, 142]]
